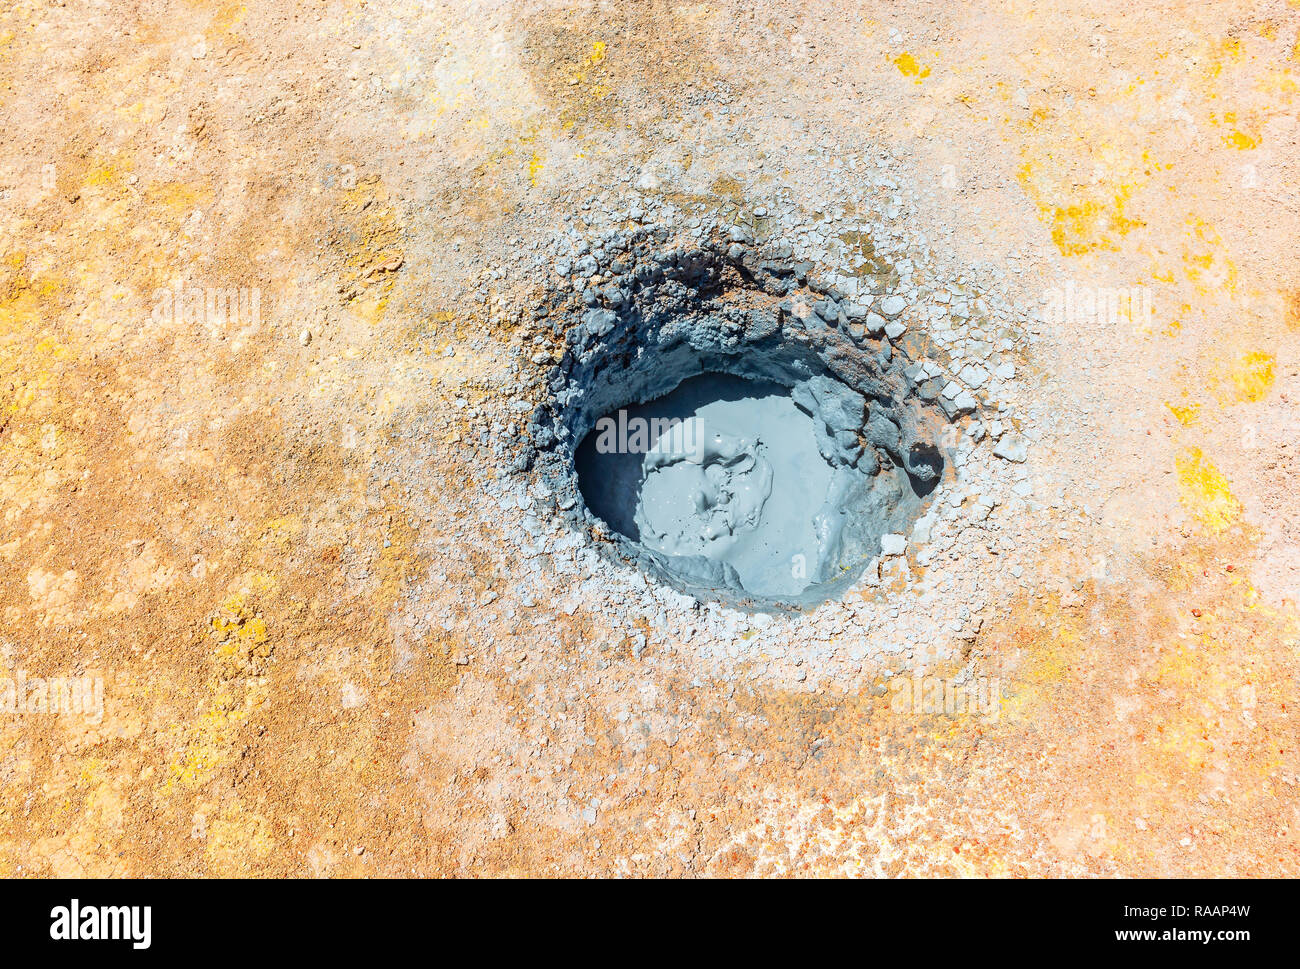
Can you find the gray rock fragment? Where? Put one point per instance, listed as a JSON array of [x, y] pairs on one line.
[[1012, 447]]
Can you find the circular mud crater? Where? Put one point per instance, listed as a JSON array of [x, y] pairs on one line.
[[733, 427]]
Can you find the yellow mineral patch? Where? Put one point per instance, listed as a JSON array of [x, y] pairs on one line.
[[240, 634], [1279, 82], [1223, 52], [1203, 491], [1205, 262], [578, 74], [371, 241], [907, 66], [1186, 415], [206, 745], [1252, 376], [1095, 221], [242, 648], [228, 17], [178, 198], [1044, 643], [1241, 141], [104, 174]]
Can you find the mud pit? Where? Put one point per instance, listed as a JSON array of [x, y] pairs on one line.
[[741, 432], [722, 486]]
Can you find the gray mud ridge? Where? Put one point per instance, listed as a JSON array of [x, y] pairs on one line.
[[767, 347]]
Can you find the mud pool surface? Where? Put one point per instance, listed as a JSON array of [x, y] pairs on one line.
[[739, 481]]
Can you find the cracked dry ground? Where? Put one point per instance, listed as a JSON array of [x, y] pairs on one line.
[[234, 524]]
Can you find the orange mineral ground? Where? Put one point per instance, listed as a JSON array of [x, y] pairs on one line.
[[279, 595]]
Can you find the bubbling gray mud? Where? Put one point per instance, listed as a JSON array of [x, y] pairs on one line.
[[737, 479], [786, 437]]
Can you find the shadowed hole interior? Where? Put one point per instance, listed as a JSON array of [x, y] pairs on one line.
[[728, 438]]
